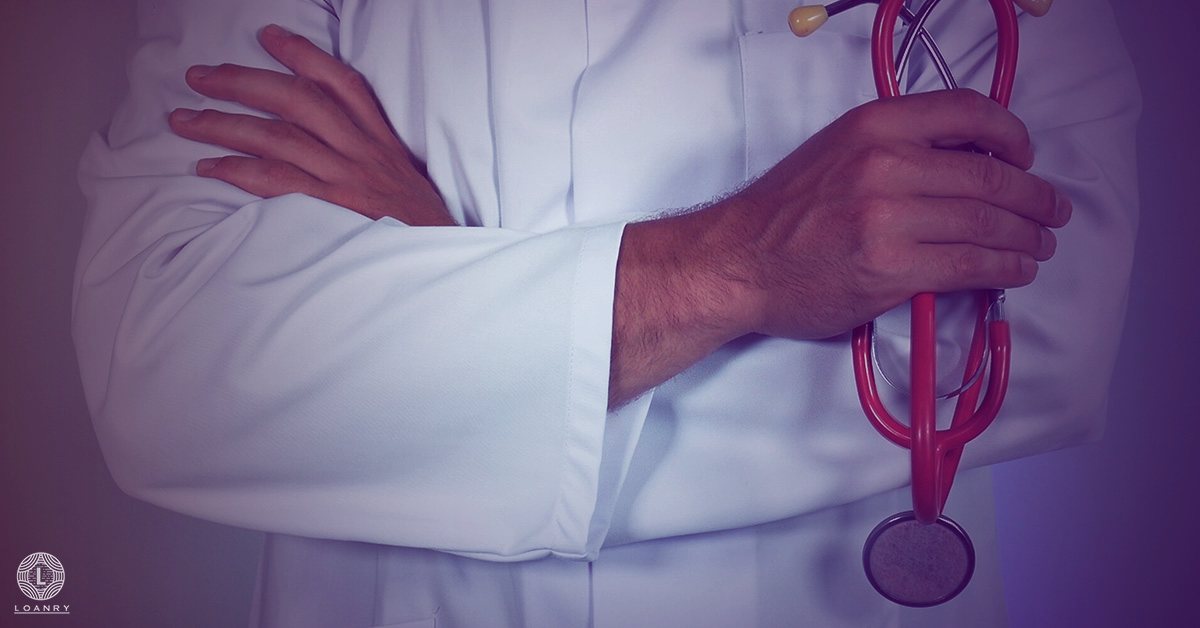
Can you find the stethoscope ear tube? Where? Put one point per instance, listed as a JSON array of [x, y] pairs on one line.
[[887, 83]]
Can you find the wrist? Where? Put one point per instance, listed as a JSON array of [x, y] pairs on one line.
[[679, 296], [699, 265], [725, 241]]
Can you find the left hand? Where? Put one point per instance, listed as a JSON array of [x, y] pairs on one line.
[[330, 139]]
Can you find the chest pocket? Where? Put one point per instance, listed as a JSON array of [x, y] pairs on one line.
[[794, 87]]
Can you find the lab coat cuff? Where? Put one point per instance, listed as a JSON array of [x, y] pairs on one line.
[[597, 445]]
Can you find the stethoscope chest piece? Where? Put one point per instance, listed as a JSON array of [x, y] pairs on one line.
[[918, 564]]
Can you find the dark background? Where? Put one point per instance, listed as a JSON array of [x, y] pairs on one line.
[[1099, 536]]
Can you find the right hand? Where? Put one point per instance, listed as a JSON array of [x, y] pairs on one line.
[[876, 208], [328, 137]]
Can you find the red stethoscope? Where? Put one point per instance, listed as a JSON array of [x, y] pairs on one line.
[[921, 557]]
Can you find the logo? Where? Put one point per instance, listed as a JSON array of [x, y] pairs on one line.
[[41, 576]]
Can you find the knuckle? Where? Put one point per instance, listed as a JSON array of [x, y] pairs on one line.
[[358, 174], [352, 81], [279, 132], [877, 217], [272, 170], [876, 164], [865, 118], [308, 90], [881, 158], [967, 264], [274, 174], [982, 222], [880, 260], [989, 175], [969, 102], [239, 125]]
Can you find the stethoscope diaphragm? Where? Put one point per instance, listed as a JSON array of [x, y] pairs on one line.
[[918, 564]]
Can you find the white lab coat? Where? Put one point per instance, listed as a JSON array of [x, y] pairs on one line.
[[417, 416]]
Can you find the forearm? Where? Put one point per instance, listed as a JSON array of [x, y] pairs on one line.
[[267, 362], [677, 300], [256, 373]]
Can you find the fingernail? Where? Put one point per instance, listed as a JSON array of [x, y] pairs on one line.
[[1049, 242], [184, 115], [204, 166], [275, 30], [1063, 207], [199, 71], [1029, 266]]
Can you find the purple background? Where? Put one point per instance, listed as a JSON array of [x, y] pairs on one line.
[[1099, 536]]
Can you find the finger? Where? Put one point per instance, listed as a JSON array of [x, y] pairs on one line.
[[271, 139], [955, 267], [342, 82], [293, 98], [952, 118], [963, 221], [261, 177], [959, 174]]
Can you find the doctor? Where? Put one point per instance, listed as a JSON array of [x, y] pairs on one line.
[[565, 412]]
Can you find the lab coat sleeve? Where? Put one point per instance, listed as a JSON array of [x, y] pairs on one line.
[[288, 365], [1077, 93]]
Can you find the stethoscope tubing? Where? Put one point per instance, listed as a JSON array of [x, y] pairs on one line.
[[936, 454]]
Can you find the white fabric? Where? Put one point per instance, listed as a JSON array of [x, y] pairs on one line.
[[417, 416]]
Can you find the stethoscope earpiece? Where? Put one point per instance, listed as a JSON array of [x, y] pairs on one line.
[[1036, 8], [805, 20]]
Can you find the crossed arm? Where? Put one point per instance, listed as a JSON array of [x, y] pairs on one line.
[[283, 363], [868, 212]]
